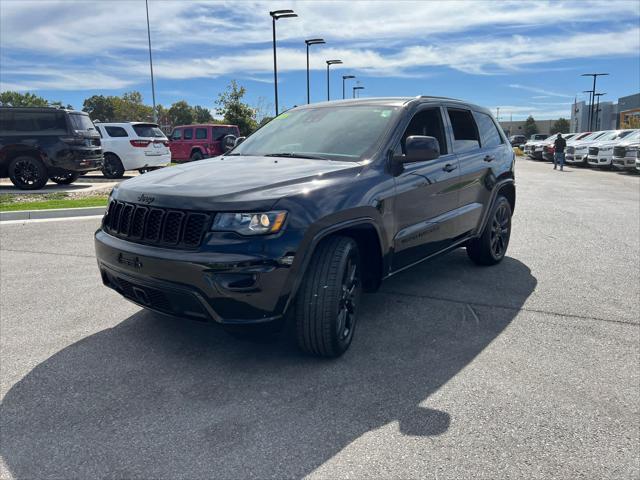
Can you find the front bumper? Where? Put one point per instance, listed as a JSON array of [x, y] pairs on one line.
[[599, 160], [226, 288], [626, 163]]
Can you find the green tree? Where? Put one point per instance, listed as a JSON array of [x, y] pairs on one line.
[[130, 108], [561, 125], [180, 113], [100, 108], [16, 99], [235, 111], [530, 126], [202, 115]]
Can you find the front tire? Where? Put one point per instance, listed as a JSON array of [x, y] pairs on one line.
[[28, 173], [66, 178], [112, 167], [491, 247], [326, 305]]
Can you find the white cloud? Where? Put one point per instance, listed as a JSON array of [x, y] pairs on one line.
[[199, 39]]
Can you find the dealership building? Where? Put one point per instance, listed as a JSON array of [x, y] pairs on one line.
[[610, 117]]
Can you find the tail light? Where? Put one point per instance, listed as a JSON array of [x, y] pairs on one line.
[[140, 143], [166, 143], [163, 142]]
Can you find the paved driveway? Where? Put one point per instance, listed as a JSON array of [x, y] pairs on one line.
[[527, 369]]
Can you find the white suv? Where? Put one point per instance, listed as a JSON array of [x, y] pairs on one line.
[[132, 146], [577, 152], [601, 151]]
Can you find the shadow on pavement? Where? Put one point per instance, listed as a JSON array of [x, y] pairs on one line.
[[157, 397]]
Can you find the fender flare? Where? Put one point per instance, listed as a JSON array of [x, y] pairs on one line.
[[494, 195], [313, 243]]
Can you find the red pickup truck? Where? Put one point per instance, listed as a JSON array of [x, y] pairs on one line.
[[194, 142]]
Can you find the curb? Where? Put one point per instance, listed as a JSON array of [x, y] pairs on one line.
[[51, 213]]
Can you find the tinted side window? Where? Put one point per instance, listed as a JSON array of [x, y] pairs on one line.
[[176, 134], [465, 132], [489, 135], [33, 123], [116, 131], [188, 133], [427, 123], [201, 133]]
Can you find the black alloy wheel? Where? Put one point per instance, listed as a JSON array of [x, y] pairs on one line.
[[28, 173], [500, 230], [112, 166], [491, 247]]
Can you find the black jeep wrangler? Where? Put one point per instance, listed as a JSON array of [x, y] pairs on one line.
[[38, 144], [323, 202]]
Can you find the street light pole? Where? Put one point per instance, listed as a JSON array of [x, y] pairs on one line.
[[595, 76], [597, 113], [345, 77], [153, 88], [311, 41], [354, 91], [275, 15], [329, 63]]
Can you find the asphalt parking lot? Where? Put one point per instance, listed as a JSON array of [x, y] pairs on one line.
[[530, 369]]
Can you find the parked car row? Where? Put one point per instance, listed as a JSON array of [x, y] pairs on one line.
[[41, 144], [604, 149]]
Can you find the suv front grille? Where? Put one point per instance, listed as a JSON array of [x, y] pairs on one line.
[[593, 150], [619, 152], [156, 226]]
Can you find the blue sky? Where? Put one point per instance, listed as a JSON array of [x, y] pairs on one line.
[[525, 57]]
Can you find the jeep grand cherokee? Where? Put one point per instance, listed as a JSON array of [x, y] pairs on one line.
[[323, 202]]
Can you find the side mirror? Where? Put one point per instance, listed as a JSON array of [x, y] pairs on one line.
[[239, 140], [419, 148], [228, 142]]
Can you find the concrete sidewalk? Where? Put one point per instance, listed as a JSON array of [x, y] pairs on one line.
[[50, 213]]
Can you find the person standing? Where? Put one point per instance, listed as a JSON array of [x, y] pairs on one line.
[[558, 156]]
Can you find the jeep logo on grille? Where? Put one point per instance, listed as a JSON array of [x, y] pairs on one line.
[[146, 199]]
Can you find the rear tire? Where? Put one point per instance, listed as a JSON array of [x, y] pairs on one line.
[[326, 305], [28, 173], [112, 167], [491, 247], [196, 156], [66, 178]]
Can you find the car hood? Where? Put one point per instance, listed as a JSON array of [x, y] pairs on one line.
[[229, 182]]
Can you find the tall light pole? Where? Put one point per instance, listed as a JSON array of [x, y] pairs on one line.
[[595, 76], [153, 88], [329, 63], [597, 112], [275, 15], [345, 77], [590, 92], [354, 91], [311, 41]]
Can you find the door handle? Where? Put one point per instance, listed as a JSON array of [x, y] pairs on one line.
[[489, 158], [449, 167]]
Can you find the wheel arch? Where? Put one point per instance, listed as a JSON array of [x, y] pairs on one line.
[[368, 237]]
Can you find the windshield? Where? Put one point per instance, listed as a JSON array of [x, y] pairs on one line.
[[148, 130], [634, 137], [81, 121], [335, 133]]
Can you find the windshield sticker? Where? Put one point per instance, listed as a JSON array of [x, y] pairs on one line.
[[281, 116], [385, 113]]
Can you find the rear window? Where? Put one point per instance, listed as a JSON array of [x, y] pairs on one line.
[[116, 131], [220, 132], [201, 133], [32, 123], [148, 130], [489, 135], [81, 122], [465, 132]]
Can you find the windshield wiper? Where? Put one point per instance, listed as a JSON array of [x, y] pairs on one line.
[[295, 155]]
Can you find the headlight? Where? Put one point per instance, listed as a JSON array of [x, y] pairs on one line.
[[250, 223]]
